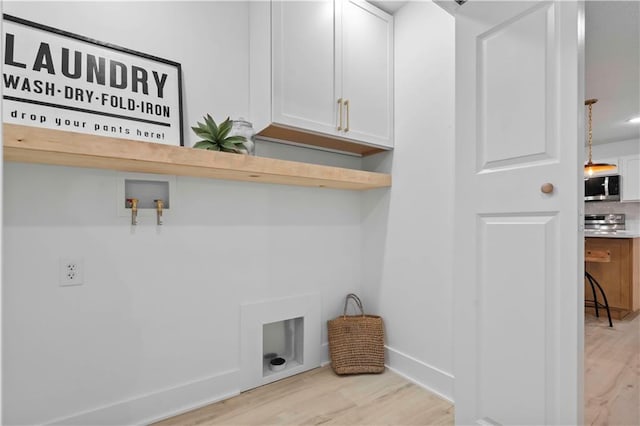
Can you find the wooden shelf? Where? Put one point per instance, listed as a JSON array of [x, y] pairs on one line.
[[27, 144]]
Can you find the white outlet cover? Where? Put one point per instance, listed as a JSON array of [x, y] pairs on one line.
[[71, 271]]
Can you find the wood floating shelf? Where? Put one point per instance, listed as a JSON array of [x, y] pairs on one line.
[[26, 144]]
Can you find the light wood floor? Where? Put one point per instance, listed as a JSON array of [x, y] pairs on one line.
[[320, 397], [612, 372], [612, 392]]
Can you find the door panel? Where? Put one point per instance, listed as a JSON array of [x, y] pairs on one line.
[[519, 108], [508, 274], [529, 84], [304, 87], [367, 72]]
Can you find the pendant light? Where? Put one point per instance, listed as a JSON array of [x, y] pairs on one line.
[[590, 168]]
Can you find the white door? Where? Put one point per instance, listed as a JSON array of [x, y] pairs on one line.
[[367, 72], [305, 87], [518, 291]]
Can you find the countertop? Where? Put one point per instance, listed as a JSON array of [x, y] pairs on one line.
[[628, 233]]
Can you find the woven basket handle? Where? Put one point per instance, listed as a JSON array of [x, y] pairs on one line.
[[357, 301]]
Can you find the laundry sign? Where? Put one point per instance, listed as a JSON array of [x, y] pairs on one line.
[[59, 80]]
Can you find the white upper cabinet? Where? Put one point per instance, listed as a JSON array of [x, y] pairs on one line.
[[305, 84], [321, 74], [367, 72], [630, 177]]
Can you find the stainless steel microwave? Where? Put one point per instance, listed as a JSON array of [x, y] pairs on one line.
[[602, 188]]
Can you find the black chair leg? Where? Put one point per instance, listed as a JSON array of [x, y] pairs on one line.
[[604, 296], [595, 295]]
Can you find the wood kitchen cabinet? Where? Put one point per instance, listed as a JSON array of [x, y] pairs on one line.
[[618, 273], [321, 74]]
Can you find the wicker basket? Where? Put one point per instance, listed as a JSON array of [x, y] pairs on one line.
[[356, 343]]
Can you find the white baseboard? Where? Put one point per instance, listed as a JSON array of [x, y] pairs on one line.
[[324, 355], [173, 401], [161, 404], [424, 375]]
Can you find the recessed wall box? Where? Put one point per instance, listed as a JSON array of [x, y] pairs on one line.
[[284, 338], [287, 328], [147, 189]]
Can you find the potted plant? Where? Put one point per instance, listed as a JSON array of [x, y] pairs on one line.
[[216, 137]]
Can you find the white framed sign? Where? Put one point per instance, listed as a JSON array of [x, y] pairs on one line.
[[60, 80]]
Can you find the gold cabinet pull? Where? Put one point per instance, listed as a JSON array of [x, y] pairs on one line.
[[346, 104], [340, 113]]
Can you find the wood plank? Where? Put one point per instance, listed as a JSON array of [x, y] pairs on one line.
[[321, 397], [45, 146], [298, 137], [603, 256], [612, 371]]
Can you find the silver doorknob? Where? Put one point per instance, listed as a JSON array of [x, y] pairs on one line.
[[547, 188]]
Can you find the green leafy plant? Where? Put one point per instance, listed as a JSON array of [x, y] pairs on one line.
[[216, 138]]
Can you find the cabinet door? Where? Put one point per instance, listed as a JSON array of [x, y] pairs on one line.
[[614, 276], [303, 65], [630, 176], [367, 72]]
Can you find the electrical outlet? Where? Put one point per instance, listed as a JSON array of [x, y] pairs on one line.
[[71, 272]]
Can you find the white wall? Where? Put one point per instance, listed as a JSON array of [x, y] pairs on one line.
[[614, 149], [155, 327], [408, 231]]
